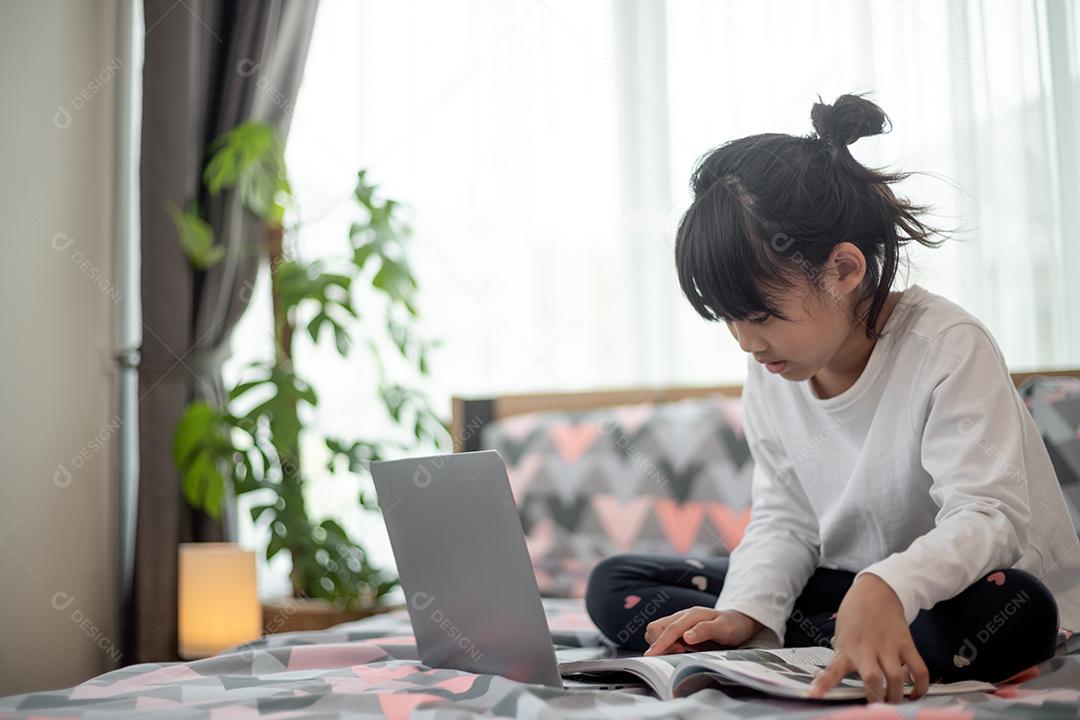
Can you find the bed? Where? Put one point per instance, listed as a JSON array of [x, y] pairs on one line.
[[370, 668]]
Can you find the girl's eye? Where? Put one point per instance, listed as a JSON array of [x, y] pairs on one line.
[[760, 320]]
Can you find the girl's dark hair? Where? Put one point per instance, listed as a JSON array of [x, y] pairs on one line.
[[769, 207]]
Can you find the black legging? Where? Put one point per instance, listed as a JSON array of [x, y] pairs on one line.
[[1000, 625]]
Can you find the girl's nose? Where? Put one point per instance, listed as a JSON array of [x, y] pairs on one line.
[[747, 340]]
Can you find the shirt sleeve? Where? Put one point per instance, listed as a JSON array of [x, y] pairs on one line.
[[780, 546], [972, 448]]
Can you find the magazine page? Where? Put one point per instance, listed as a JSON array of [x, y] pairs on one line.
[[787, 672], [657, 671], [783, 671]]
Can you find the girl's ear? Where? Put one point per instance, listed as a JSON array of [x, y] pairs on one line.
[[845, 268]]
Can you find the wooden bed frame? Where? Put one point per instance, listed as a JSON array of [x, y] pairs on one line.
[[470, 415]]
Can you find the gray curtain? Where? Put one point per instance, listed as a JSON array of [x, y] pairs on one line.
[[209, 66]]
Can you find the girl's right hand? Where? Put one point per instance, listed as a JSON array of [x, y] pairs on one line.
[[696, 625]]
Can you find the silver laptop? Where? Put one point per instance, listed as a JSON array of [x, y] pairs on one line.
[[468, 581]]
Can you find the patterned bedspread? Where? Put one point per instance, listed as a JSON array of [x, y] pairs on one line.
[[369, 669]]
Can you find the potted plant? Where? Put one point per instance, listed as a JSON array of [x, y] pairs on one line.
[[252, 443]]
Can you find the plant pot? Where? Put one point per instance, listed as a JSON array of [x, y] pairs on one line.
[[288, 614]]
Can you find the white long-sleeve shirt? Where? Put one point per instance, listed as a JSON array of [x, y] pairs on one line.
[[928, 472]]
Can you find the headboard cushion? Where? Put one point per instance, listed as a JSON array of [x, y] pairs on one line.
[[606, 471], [668, 477]]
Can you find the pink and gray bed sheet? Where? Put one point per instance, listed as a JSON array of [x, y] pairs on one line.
[[369, 669], [665, 477]]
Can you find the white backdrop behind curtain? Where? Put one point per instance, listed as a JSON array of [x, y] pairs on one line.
[[545, 149]]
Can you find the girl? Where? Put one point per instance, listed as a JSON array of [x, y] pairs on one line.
[[904, 508]]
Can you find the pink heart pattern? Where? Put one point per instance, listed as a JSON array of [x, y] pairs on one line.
[[631, 601], [998, 578]]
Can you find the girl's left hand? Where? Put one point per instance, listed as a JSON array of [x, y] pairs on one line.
[[873, 638]]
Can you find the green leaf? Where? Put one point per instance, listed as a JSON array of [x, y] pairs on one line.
[[363, 191], [346, 305], [263, 409], [258, 510], [250, 480], [385, 587], [334, 529], [316, 324], [251, 158], [194, 429], [204, 485], [274, 546], [342, 281], [362, 254], [196, 238], [214, 493], [193, 479], [388, 278], [341, 340], [400, 335], [245, 386], [368, 503], [264, 461], [307, 394]]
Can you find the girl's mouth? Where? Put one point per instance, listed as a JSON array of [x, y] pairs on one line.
[[776, 367]]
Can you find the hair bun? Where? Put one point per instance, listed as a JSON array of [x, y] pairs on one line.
[[848, 119]]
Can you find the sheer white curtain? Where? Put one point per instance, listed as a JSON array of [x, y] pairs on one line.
[[976, 91], [496, 123], [545, 149]]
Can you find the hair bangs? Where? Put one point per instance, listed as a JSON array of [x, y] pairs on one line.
[[724, 267]]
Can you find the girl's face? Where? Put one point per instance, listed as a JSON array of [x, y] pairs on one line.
[[819, 327]]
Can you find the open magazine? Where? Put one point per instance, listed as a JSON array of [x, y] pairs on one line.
[[786, 672]]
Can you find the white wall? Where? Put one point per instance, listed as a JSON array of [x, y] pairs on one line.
[[59, 418]]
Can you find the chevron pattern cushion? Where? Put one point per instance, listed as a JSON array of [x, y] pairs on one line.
[[1054, 403], [656, 477]]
